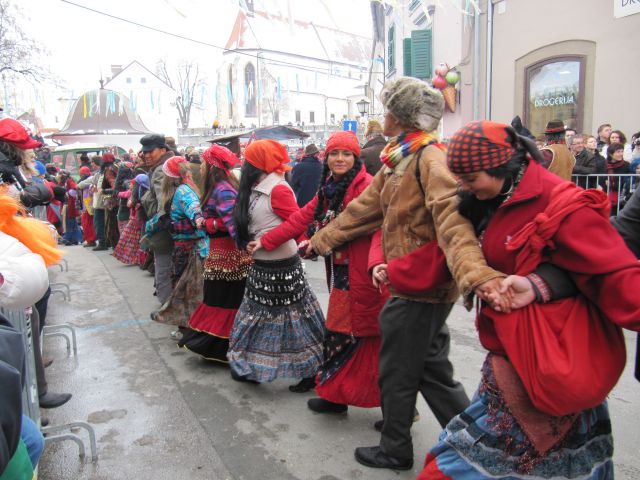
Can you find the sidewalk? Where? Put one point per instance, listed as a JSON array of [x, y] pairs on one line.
[[163, 413]]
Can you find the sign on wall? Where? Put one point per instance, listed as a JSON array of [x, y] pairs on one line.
[[623, 8]]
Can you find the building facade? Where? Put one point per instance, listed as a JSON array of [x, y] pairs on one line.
[[149, 97], [282, 71]]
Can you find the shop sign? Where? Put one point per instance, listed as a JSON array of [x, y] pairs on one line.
[[623, 8], [554, 101]]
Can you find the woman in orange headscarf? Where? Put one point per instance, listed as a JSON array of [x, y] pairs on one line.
[[279, 328]]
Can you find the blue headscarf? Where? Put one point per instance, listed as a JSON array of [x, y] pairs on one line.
[[40, 168]]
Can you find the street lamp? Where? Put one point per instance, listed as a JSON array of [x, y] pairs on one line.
[[363, 106]]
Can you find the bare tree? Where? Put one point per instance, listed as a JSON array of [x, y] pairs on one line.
[[183, 80], [19, 54]]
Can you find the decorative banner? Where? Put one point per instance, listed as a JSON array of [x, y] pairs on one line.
[[153, 105], [84, 106]]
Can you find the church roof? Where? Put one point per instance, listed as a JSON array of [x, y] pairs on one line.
[[103, 112], [274, 32]]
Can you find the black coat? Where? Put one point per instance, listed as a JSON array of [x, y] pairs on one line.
[[370, 154], [627, 223], [305, 179]]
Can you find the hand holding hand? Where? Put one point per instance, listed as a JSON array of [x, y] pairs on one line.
[[200, 223], [490, 293], [253, 246], [379, 275], [522, 293]]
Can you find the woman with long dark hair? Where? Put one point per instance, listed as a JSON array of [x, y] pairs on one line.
[[226, 267], [349, 374], [540, 410], [279, 328]]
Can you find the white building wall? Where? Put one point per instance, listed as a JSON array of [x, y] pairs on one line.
[[151, 98]]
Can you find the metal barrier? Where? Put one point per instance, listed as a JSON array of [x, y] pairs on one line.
[[22, 322], [618, 187]]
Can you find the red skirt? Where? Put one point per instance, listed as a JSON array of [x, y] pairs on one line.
[[356, 383], [88, 231]]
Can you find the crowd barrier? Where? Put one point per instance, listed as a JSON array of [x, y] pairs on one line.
[[618, 187]]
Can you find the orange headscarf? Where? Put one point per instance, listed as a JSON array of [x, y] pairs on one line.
[[267, 155], [34, 234]]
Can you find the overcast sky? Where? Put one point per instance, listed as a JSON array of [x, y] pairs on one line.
[[83, 44]]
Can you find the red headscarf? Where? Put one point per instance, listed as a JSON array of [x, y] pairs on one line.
[[340, 140], [267, 155], [220, 157]]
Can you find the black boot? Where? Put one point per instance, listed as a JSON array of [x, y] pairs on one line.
[[100, 247], [242, 378], [53, 400], [374, 457], [304, 385], [320, 405]]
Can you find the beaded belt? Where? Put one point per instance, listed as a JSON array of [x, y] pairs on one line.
[[276, 283]]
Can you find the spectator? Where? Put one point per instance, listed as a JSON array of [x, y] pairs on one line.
[[585, 162], [557, 157], [604, 131], [617, 187], [568, 135], [371, 150], [618, 137], [305, 177]]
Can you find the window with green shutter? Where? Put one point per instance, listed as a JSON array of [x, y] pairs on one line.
[[391, 54], [406, 57], [421, 58]]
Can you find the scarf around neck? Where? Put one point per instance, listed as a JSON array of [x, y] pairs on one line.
[[406, 144]]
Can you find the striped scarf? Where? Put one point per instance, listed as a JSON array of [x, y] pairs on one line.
[[404, 145]]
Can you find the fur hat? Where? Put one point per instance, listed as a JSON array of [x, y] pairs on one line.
[[415, 104]]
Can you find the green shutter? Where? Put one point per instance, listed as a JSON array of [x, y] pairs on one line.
[[421, 54], [406, 56]]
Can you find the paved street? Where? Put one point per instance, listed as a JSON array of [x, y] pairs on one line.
[[163, 413]]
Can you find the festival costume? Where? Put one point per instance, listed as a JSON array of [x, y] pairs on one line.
[[190, 246], [413, 205], [128, 248], [279, 328], [349, 374], [225, 273], [502, 434]]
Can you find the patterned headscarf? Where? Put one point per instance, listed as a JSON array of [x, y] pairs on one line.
[[220, 157], [481, 145]]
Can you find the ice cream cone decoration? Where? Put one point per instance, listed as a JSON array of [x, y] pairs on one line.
[[449, 94], [445, 80]]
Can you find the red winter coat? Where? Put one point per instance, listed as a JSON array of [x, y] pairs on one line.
[[366, 300], [585, 245]]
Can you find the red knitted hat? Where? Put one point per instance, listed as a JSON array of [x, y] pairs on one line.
[[85, 171], [108, 157], [480, 145], [343, 140], [221, 157]]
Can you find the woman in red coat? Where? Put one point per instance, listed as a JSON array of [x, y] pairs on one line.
[[524, 422], [349, 375]]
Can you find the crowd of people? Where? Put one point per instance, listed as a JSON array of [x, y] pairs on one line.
[[405, 225]]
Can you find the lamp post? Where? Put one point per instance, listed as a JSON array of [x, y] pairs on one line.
[[363, 107]]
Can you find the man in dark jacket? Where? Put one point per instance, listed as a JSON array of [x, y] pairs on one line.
[[370, 154], [305, 177], [156, 152]]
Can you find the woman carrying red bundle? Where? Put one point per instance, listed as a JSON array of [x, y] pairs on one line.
[[540, 409]]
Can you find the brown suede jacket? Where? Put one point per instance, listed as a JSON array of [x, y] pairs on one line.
[[394, 202]]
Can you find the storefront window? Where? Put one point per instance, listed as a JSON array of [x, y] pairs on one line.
[[555, 91]]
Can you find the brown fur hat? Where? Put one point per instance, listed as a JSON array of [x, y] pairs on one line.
[[414, 103]]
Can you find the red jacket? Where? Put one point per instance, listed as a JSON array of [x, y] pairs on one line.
[[585, 245], [366, 300]]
